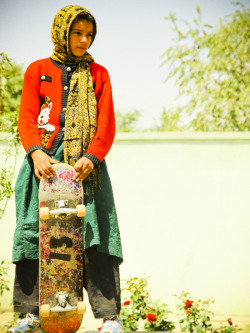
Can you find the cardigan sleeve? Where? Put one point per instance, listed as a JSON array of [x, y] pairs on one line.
[[29, 111], [104, 137]]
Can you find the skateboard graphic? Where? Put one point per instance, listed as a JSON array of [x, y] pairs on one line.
[[61, 251]]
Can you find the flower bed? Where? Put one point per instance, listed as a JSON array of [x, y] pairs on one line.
[[194, 315]]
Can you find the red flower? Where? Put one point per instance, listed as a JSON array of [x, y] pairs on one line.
[[188, 304], [151, 317], [230, 321], [188, 312], [99, 328], [126, 303]]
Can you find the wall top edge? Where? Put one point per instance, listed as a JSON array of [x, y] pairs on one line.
[[163, 136], [152, 136]]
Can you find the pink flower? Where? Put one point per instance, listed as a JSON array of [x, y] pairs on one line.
[[188, 312]]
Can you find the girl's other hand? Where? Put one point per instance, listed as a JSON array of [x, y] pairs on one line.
[[42, 164], [83, 168]]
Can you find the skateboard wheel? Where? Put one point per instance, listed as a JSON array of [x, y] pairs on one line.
[[44, 213], [81, 307], [81, 210], [45, 310]]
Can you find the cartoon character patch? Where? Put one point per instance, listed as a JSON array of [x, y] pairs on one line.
[[43, 121], [43, 118]]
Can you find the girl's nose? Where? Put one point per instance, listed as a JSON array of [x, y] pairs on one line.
[[84, 39]]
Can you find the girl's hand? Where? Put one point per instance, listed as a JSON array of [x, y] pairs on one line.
[[83, 168], [42, 164]]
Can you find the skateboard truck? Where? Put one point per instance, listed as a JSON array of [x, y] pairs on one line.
[[62, 302], [62, 305], [61, 210], [61, 203]]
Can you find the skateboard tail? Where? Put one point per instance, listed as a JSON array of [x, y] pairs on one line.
[[60, 322]]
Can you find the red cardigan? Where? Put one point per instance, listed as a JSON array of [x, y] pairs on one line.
[[44, 102]]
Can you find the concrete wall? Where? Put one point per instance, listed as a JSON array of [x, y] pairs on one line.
[[184, 213]]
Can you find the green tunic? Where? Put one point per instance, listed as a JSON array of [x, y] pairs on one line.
[[100, 225]]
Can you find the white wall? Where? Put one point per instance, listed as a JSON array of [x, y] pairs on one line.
[[184, 212]]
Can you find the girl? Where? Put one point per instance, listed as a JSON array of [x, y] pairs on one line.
[[67, 115]]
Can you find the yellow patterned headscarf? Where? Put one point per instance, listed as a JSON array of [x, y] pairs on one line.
[[81, 114]]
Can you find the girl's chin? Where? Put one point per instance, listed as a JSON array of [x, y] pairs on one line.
[[79, 53]]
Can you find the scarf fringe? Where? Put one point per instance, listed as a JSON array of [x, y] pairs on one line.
[[93, 181]]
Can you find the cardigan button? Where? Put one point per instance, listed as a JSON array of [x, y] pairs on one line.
[[68, 69], [43, 77], [64, 109], [65, 88], [63, 129]]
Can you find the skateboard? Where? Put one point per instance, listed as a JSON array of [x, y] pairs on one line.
[[61, 251]]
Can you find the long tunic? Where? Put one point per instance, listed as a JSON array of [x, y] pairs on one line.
[[37, 132]]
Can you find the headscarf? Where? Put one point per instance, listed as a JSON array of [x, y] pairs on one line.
[[81, 113]]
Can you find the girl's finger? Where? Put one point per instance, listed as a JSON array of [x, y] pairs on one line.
[[37, 174], [46, 170], [42, 172], [50, 169], [53, 161], [83, 175]]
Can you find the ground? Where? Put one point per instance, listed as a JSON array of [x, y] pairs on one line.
[[90, 324]]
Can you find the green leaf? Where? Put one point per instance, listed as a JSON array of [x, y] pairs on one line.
[[212, 71]]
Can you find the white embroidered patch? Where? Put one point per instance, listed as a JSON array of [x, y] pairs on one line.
[[43, 118]]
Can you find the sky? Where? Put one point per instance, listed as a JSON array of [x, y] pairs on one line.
[[131, 37]]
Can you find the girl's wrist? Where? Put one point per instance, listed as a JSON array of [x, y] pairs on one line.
[[34, 153]]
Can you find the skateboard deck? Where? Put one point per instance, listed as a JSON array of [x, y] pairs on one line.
[[61, 251]]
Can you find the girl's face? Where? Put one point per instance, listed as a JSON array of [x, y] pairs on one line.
[[80, 37]]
